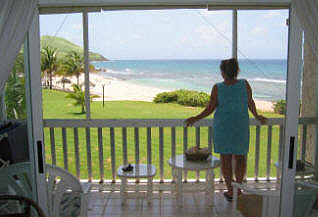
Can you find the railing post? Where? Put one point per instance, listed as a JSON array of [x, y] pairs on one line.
[[53, 153], [77, 157], [137, 148], [185, 147], [269, 152], [65, 153], [281, 140], [173, 146], [113, 156], [125, 156], [161, 154], [257, 151], [197, 141], [149, 159], [100, 154], [89, 154], [210, 142]]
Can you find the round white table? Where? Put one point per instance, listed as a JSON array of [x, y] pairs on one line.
[[179, 164], [139, 171]]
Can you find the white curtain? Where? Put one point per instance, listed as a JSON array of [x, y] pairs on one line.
[[307, 12], [15, 19]]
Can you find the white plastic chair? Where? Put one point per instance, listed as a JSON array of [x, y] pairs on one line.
[[66, 195], [63, 188], [15, 179], [265, 203]]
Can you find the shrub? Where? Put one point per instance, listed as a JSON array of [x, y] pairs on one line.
[[166, 97], [183, 97], [280, 107], [193, 98]]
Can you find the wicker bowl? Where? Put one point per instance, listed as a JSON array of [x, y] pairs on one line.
[[197, 154]]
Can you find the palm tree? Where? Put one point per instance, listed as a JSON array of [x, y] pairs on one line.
[[79, 96], [62, 71], [74, 64], [15, 91], [49, 62]]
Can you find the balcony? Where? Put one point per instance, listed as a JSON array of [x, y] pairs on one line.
[[93, 150]]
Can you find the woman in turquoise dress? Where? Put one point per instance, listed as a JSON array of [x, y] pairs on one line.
[[231, 100]]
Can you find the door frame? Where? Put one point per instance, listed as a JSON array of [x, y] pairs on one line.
[[34, 113], [294, 69]]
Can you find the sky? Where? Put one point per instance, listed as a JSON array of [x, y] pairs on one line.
[[175, 34]]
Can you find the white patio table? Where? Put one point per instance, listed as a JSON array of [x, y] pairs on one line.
[[139, 171], [179, 164]]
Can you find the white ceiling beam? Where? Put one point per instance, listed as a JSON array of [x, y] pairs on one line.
[[72, 6]]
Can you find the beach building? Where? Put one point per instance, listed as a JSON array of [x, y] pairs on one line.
[[296, 139]]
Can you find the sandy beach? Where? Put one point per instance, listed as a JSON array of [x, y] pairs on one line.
[[116, 89]]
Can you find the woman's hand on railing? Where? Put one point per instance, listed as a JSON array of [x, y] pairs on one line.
[[261, 119], [190, 121]]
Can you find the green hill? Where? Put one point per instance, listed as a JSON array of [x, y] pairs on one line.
[[63, 46]]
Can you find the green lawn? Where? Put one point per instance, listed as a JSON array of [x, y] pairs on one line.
[[56, 106]]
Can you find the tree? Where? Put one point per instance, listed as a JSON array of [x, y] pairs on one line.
[[62, 71], [79, 96], [15, 91], [49, 62], [74, 64]]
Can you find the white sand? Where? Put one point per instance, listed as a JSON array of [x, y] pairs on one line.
[[116, 89]]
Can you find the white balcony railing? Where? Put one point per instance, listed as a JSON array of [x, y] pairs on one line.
[[148, 139]]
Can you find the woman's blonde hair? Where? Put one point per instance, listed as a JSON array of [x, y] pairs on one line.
[[230, 68]]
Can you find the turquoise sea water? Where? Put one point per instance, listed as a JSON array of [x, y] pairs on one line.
[[267, 77]]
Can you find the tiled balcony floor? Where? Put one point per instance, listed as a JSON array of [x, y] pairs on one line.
[[102, 204]]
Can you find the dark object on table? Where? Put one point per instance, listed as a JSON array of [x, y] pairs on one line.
[[128, 168], [197, 154]]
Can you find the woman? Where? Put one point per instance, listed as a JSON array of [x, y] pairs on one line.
[[231, 99]]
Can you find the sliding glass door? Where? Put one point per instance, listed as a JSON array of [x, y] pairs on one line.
[[291, 141], [34, 112]]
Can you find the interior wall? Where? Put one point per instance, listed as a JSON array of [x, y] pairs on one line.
[[309, 98]]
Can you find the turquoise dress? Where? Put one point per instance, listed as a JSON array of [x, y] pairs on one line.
[[231, 121]]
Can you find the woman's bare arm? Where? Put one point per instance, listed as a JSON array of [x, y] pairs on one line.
[[251, 105], [208, 110]]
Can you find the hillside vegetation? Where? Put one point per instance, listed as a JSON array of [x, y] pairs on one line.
[[64, 46]]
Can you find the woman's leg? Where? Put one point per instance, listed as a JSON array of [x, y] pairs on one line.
[[226, 167], [240, 167]]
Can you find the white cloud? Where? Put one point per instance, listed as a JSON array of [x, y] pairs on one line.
[[77, 26], [75, 38], [205, 12], [206, 33], [272, 14], [211, 33], [137, 36], [259, 30], [184, 41]]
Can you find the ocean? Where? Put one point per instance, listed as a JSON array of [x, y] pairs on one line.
[[266, 77]]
